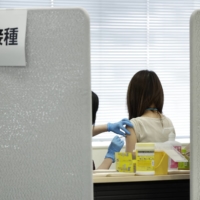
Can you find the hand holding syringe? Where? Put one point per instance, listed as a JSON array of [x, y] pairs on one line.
[[119, 128]]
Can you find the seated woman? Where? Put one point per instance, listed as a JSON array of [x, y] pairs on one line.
[[145, 99], [116, 144]]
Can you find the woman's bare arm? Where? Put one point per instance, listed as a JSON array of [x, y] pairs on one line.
[[107, 162], [99, 129], [131, 140]]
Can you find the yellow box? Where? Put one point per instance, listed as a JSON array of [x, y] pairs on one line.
[[124, 162], [145, 158]]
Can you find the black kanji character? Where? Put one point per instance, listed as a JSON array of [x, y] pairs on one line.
[[6, 33], [13, 36], [1, 34]]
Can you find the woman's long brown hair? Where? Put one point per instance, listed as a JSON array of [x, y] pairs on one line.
[[144, 90]]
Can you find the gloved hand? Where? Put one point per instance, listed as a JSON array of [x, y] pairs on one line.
[[119, 126], [115, 146]]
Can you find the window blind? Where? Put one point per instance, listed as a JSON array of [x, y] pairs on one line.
[[128, 36], [24, 3]]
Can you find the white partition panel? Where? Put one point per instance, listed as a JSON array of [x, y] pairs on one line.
[[45, 107], [195, 104]]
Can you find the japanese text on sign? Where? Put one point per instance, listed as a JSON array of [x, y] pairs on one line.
[[12, 37], [9, 36]]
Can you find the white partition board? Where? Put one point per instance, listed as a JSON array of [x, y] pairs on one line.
[[45, 108], [195, 104]]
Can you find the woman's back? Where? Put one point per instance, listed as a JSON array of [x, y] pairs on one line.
[[145, 98], [152, 129]]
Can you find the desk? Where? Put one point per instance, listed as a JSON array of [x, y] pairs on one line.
[[164, 187]]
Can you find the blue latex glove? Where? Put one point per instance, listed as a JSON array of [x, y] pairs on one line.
[[119, 128], [115, 146]]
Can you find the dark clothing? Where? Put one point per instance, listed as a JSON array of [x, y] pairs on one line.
[[93, 165]]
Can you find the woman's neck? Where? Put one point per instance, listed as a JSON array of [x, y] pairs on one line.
[[151, 112]]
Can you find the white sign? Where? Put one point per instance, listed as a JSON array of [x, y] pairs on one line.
[[12, 37]]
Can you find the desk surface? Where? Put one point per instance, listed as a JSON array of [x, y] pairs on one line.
[[116, 179]]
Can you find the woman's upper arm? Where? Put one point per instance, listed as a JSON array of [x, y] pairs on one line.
[[131, 140]]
